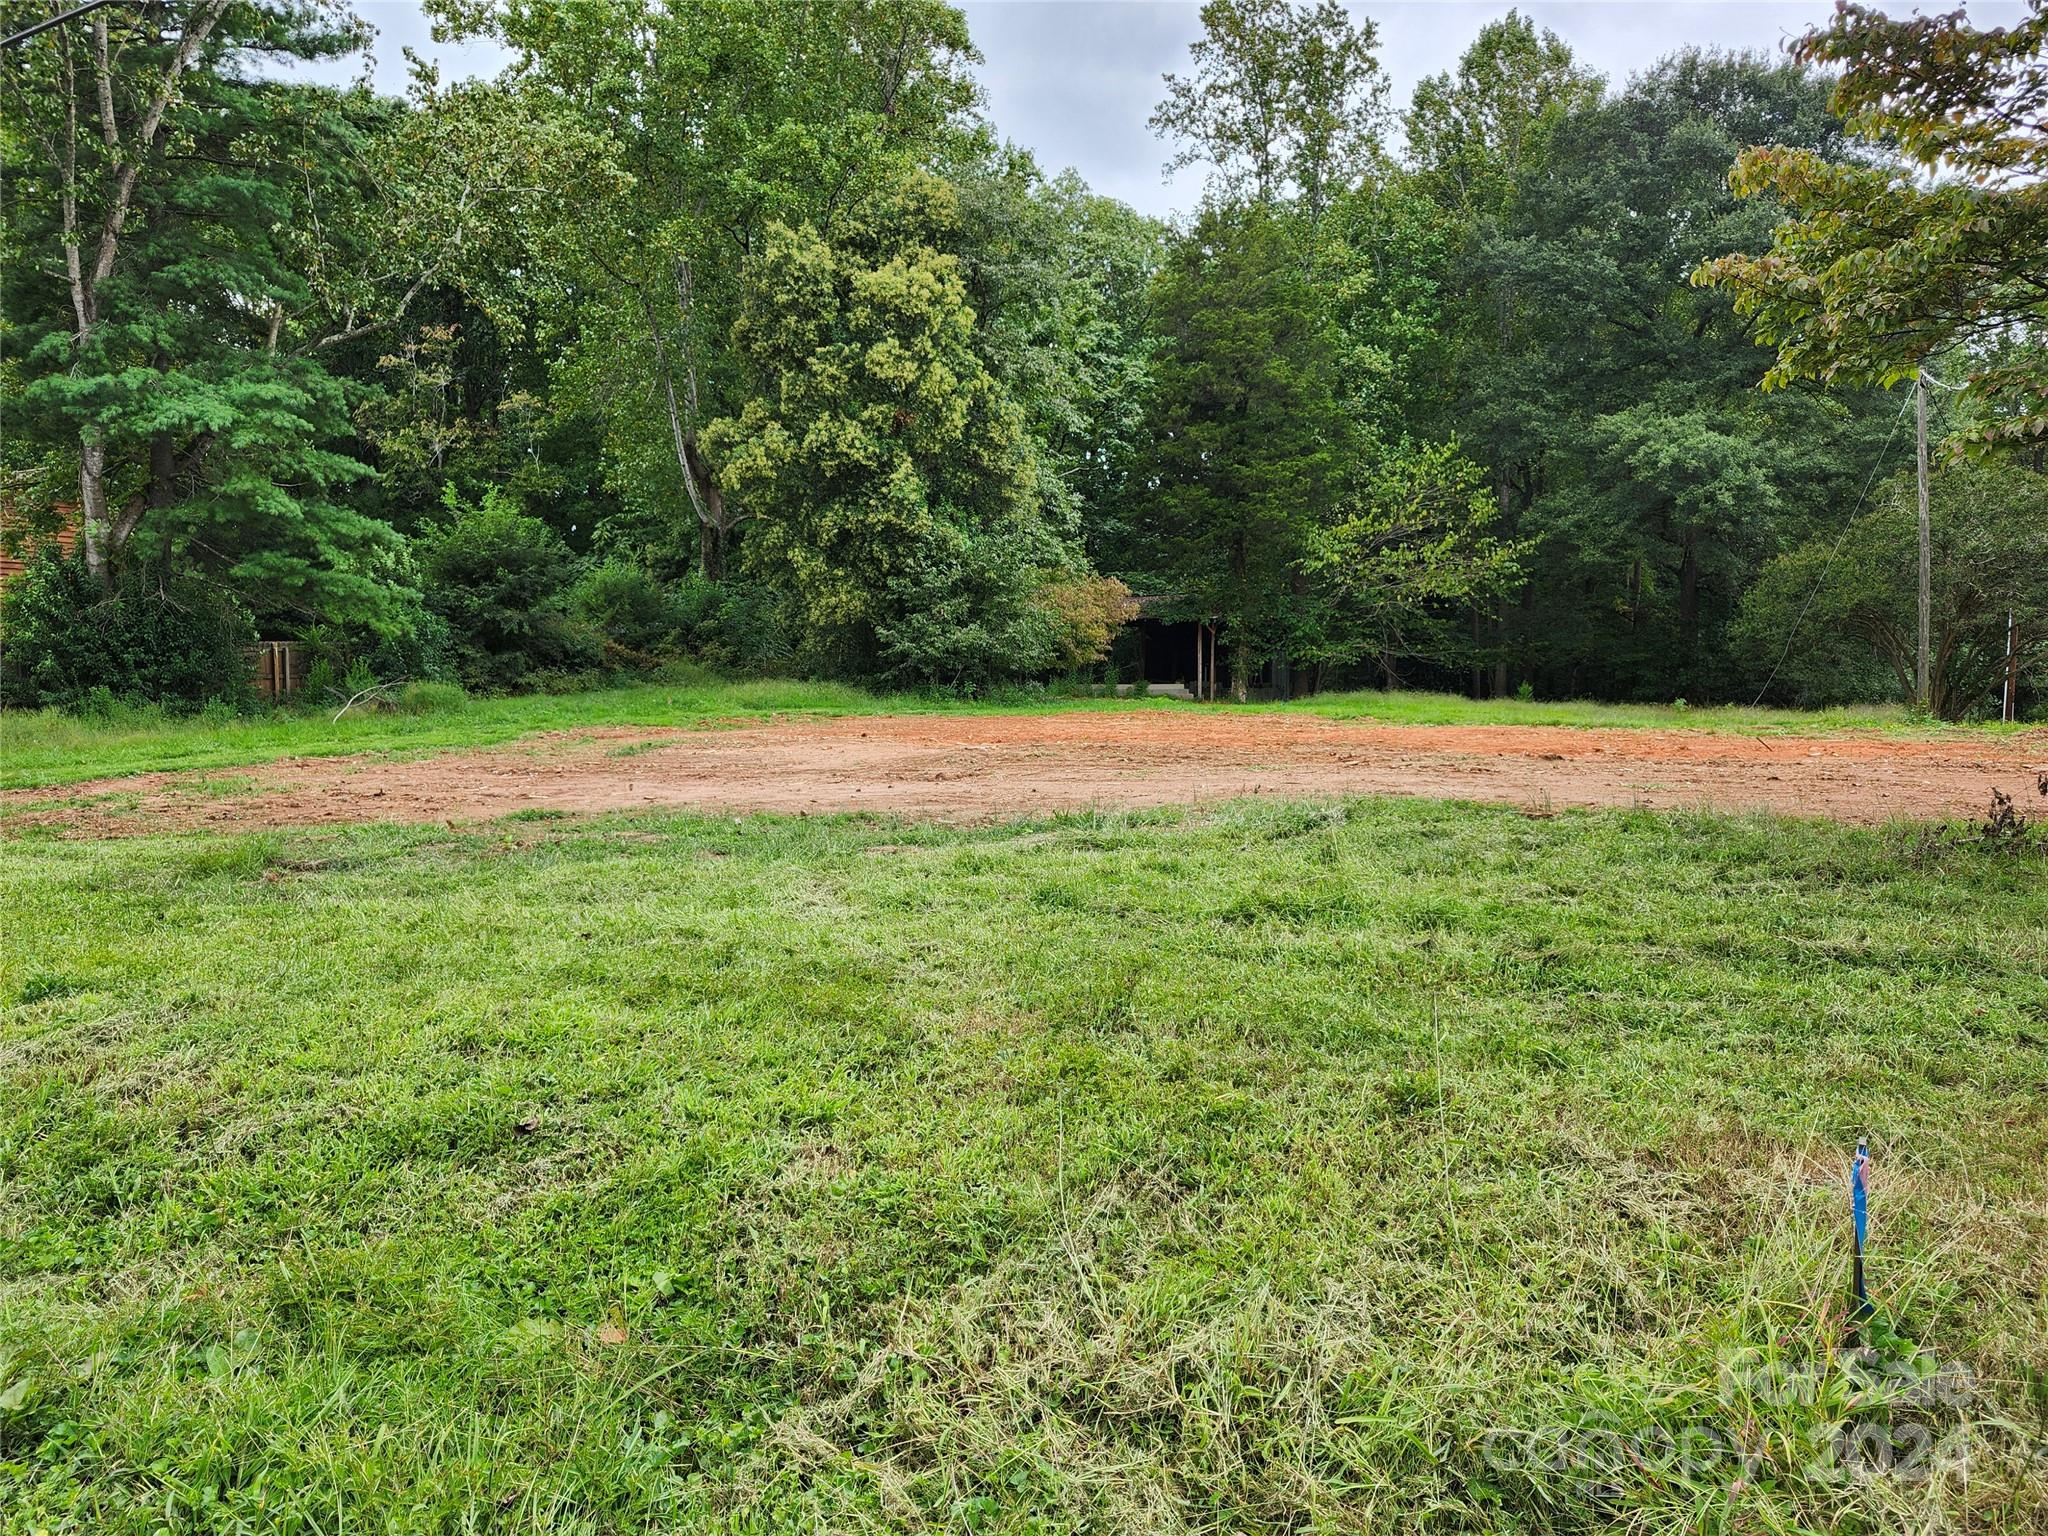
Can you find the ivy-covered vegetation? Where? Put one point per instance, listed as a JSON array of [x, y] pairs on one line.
[[736, 331]]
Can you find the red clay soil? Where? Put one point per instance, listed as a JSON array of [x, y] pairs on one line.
[[968, 768]]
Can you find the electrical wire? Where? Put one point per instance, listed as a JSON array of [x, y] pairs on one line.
[[54, 21], [1829, 564]]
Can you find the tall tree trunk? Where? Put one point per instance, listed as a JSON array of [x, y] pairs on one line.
[[106, 537], [710, 550], [100, 538], [1241, 668], [93, 529], [707, 502], [1942, 681], [713, 525]]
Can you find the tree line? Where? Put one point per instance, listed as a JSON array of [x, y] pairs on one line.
[[735, 330]]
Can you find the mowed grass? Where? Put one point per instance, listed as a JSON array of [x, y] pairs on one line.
[[48, 747], [51, 746], [1244, 1171], [1413, 707]]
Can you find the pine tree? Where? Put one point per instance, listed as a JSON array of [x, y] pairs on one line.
[[188, 249], [1247, 429]]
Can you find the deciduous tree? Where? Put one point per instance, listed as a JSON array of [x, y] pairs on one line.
[[720, 118], [1617, 407], [1937, 240], [1286, 101], [1413, 545], [890, 474], [1822, 614]]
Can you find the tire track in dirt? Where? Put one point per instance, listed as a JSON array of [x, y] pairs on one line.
[[972, 768]]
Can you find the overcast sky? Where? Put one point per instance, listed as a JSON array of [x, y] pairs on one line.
[[1074, 80]]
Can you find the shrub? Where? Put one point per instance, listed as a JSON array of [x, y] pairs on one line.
[[415, 647], [72, 642], [734, 625], [337, 673], [430, 698], [628, 606], [499, 578], [1086, 612], [966, 619], [583, 679], [682, 672]]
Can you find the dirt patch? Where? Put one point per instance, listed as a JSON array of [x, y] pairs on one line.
[[965, 767]]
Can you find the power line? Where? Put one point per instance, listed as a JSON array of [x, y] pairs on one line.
[[1829, 564], [55, 21]]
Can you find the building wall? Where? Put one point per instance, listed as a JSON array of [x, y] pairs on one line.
[[14, 558]]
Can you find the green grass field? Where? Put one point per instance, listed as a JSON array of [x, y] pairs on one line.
[[1306, 1168], [51, 747]]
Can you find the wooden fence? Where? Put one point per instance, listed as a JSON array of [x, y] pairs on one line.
[[279, 668]]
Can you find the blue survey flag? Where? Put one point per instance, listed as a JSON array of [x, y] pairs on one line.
[[1859, 1206], [1858, 1197]]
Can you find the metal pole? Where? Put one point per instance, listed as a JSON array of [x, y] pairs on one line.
[[1926, 697]]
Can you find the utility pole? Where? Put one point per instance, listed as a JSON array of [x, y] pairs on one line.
[[2011, 712], [1920, 677]]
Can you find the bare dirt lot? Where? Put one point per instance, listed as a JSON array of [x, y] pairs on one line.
[[966, 767]]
